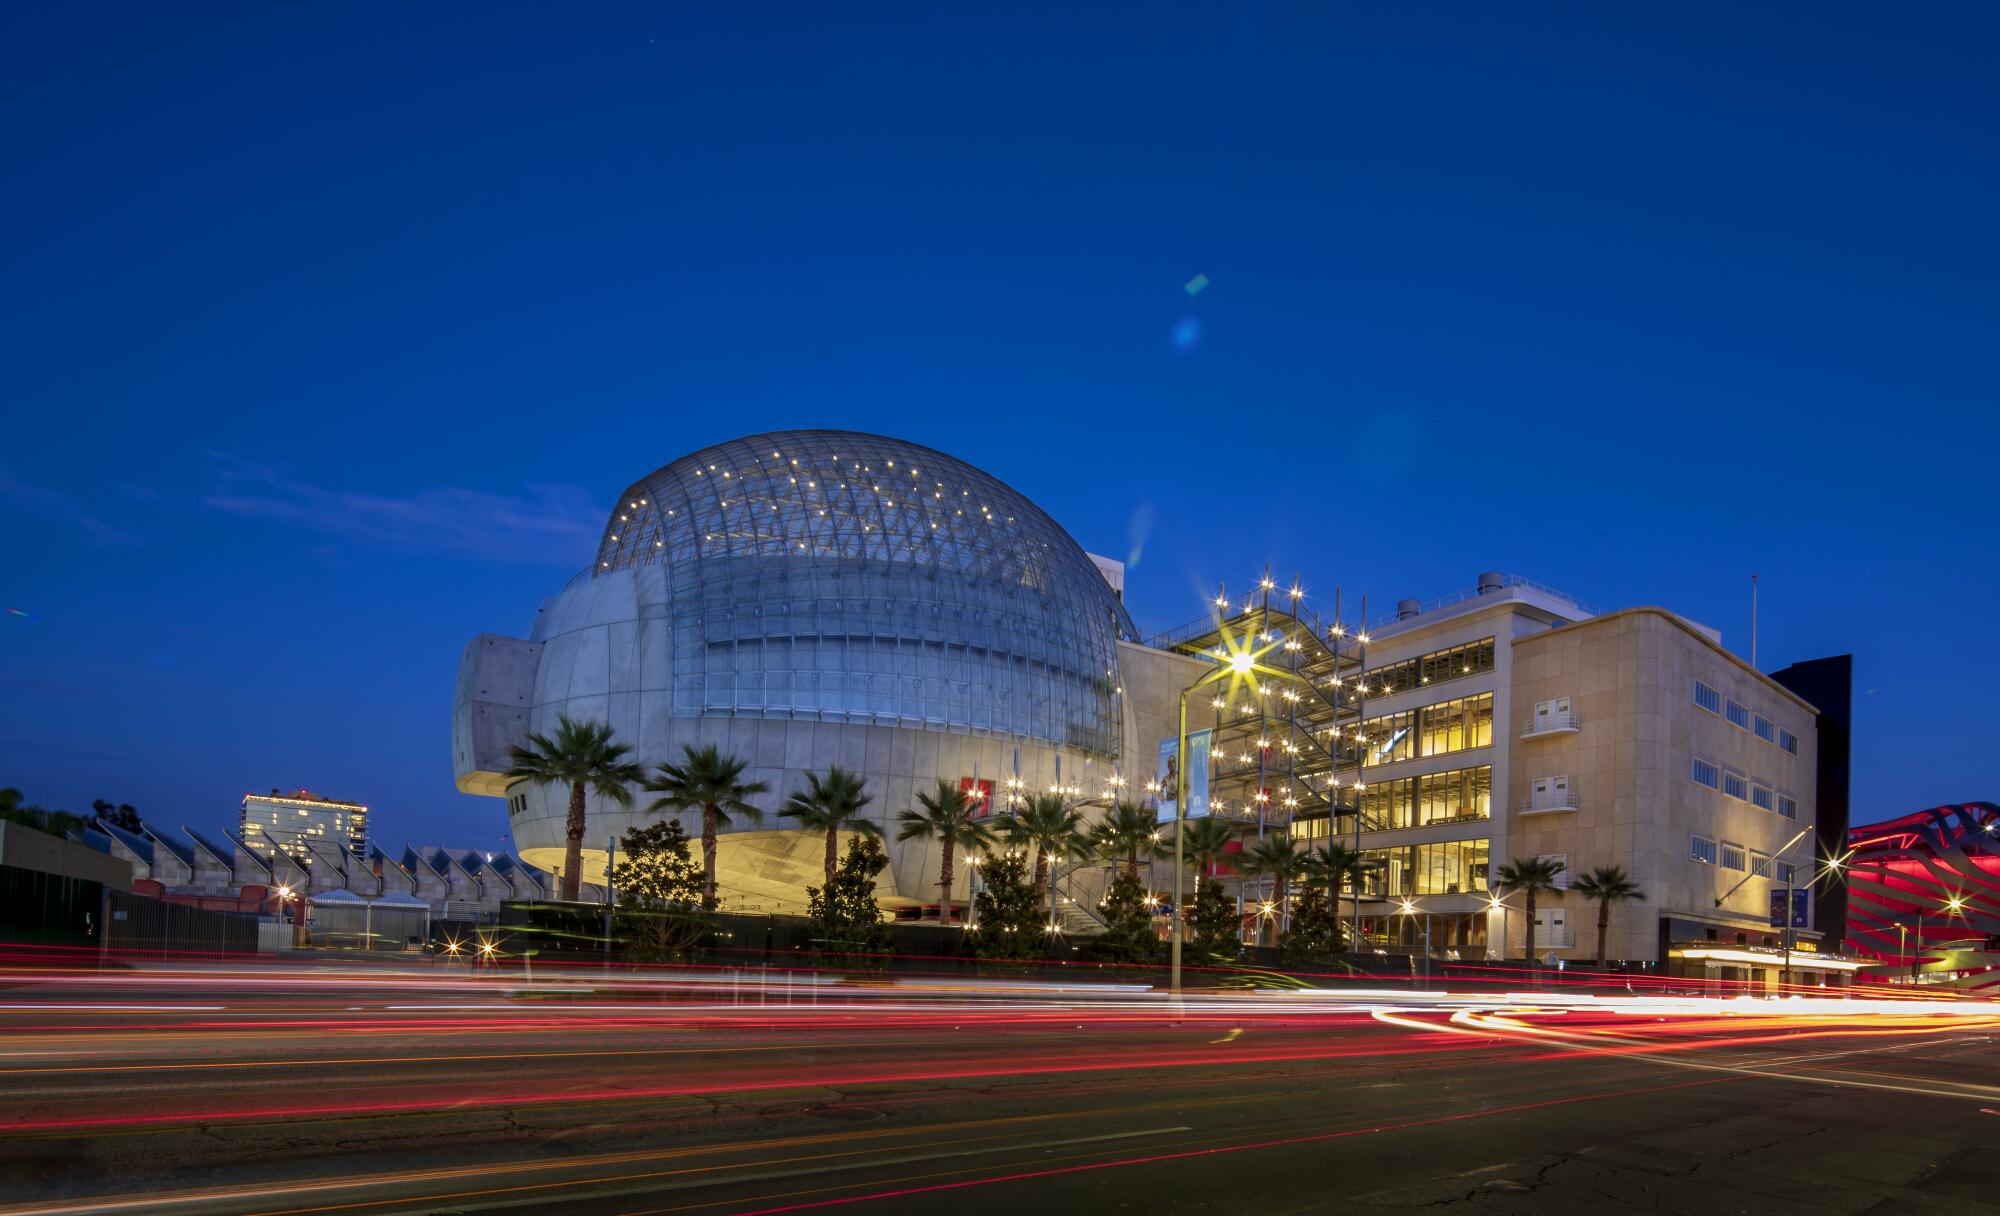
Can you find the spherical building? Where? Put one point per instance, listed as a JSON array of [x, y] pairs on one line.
[[803, 599]]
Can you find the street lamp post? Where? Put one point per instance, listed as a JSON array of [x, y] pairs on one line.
[[1239, 663]]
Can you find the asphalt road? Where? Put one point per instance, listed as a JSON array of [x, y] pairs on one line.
[[317, 1091]]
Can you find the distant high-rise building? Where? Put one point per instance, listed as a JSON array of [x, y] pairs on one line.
[[1829, 684], [289, 821]]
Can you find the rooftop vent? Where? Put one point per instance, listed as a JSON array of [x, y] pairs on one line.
[[1491, 581], [1405, 609]]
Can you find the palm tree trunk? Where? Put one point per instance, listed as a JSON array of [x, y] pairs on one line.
[[708, 837], [1132, 861], [572, 875], [944, 886], [832, 851], [1044, 880], [1603, 924], [1528, 946]]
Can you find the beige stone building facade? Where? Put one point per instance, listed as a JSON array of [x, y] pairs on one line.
[[1512, 722], [1678, 762]]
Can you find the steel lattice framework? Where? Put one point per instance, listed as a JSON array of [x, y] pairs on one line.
[[838, 576], [1924, 879]]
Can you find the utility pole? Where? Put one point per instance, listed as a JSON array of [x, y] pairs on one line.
[[610, 896]]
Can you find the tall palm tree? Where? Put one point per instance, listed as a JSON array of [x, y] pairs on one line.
[[708, 781], [1332, 864], [829, 804], [1053, 828], [946, 817], [1203, 842], [1606, 884], [1530, 876], [1129, 830], [583, 757], [1272, 857]]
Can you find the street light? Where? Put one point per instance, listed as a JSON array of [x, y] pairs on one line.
[[1408, 907], [1239, 662]]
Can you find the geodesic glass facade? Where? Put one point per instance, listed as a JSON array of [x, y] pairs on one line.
[[835, 576]]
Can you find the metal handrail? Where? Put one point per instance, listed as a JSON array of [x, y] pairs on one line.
[[1549, 724], [1568, 803], [1473, 593], [1064, 891]]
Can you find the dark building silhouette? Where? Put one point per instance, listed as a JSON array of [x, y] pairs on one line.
[[1829, 684]]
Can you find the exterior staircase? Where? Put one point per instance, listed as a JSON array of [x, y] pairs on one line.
[[1076, 918]]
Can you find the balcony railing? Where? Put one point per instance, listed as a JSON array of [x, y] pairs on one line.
[[1565, 723], [1549, 804]]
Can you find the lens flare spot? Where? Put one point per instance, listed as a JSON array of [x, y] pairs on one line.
[[1187, 334]]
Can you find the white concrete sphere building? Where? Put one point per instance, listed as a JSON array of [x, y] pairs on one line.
[[803, 599]]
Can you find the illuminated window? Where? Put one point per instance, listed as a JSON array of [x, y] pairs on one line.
[[1704, 773], [1707, 698], [1433, 668], [1702, 849]]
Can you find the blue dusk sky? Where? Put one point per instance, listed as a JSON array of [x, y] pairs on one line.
[[331, 332]]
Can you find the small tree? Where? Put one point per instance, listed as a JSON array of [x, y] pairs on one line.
[[830, 804], [1010, 911], [1053, 829], [1128, 832], [1606, 885], [659, 893], [1215, 925], [947, 817], [712, 783], [1275, 858], [1204, 842], [1316, 932], [846, 918], [1530, 876], [1129, 936], [581, 756]]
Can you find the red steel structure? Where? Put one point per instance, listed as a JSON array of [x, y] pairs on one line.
[[1919, 882]]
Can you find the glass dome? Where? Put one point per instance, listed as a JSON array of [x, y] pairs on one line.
[[837, 576]]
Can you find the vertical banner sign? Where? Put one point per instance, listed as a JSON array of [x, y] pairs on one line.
[[979, 794], [1798, 907], [1169, 776]]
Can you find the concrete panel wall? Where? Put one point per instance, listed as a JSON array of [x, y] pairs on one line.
[[496, 685]]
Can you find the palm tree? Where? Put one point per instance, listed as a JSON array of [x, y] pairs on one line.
[[1272, 857], [582, 756], [1332, 864], [1203, 842], [946, 817], [1129, 830], [1605, 884], [829, 804], [713, 783], [1530, 876], [1055, 830]]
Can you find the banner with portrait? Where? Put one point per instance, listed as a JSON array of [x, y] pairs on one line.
[[1168, 776]]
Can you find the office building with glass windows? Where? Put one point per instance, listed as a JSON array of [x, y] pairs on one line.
[[300, 822]]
